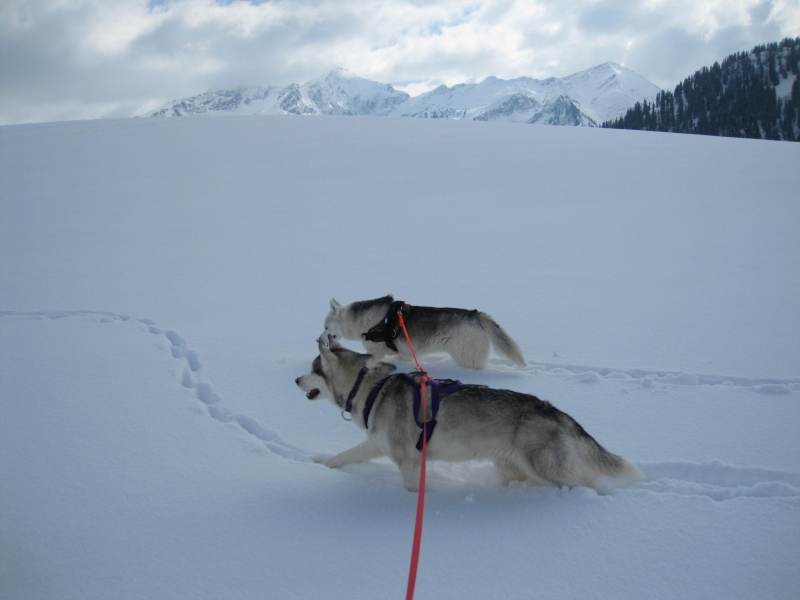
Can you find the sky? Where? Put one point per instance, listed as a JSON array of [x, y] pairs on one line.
[[87, 59]]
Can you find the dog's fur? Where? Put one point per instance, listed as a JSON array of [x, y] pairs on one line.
[[527, 439], [467, 335]]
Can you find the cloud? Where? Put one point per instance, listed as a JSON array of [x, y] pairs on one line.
[[99, 58]]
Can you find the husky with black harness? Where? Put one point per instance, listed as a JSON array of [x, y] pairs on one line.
[[527, 439], [466, 335]]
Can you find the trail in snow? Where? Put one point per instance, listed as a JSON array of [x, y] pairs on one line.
[[190, 379], [714, 480], [639, 377], [718, 481], [652, 378]]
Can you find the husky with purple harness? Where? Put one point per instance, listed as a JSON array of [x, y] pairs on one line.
[[527, 439]]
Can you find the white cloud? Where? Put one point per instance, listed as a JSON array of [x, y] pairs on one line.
[[111, 57]]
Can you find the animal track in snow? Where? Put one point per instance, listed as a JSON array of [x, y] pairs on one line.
[[635, 377], [714, 480], [649, 379], [179, 350], [718, 481], [443, 365]]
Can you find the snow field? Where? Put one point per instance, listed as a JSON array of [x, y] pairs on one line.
[[162, 284]]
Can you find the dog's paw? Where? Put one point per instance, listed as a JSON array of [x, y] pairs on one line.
[[325, 459]]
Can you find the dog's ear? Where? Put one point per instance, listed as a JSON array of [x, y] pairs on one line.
[[335, 306]]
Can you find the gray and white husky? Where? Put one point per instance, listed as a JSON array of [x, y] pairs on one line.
[[467, 335], [527, 439]]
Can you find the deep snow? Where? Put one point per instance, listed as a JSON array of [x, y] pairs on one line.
[[162, 283]]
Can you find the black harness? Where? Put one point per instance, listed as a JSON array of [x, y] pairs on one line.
[[348, 405], [439, 388], [389, 328]]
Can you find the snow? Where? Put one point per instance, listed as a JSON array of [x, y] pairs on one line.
[[602, 93], [162, 283], [784, 88]]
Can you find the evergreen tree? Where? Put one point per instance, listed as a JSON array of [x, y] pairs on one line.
[[736, 98]]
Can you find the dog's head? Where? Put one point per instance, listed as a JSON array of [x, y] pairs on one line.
[[335, 371], [325, 369], [314, 383]]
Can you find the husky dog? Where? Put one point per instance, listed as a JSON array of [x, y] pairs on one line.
[[467, 335], [527, 439]]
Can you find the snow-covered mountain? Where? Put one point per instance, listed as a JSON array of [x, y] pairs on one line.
[[338, 93], [586, 98]]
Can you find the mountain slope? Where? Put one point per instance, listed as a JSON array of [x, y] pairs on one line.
[[339, 93], [585, 98], [752, 94]]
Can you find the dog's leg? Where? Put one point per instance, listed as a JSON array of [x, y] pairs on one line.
[[536, 480], [546, 466], [378, 350], [523, 471], [409, 470], [365, 451], [509, 472], [474, 354]]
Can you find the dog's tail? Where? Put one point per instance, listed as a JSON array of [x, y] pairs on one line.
[[502, 342], [605, 470]]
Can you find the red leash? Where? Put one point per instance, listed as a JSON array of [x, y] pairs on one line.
[[412, 570]]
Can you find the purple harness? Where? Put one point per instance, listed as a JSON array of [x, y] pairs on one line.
[[439, 387]]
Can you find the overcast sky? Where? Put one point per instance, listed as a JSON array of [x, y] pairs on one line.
[[79, 59]]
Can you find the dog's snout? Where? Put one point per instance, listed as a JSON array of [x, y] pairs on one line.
[[297, 381]]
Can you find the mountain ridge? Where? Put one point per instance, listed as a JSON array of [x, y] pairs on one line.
[[586, 98]]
